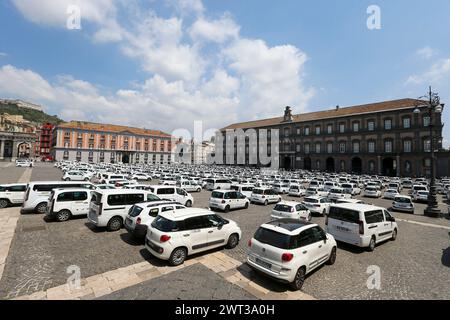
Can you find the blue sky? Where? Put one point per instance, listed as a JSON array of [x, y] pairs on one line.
[[167, 63]]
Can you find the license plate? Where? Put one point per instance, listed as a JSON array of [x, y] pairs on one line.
[[263, 263], [342, 229], [128, 222]]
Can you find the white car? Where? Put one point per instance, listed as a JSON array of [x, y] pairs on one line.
[[11, 194], [66, 203], [339, 193], [245, 189], [228, 200], [141, 215], [174, 235], [403, 203], [173, 193], [291, 210], [141, 176], [281, 188], [317, 204], [421, 196], [24, 163], [361, 225], [287, 250], [372, 192], [76, 176], [391, 194], [189, 185], [264, 196], [296, 191]]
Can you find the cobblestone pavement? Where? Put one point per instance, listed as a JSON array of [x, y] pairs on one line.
[[416, 266], [193, 283]]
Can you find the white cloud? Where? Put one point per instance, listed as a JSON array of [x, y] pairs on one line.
[[54, 13], [187, 6], [215, 30], [3, 54], [426, 52], [438, 71], [271, 77]]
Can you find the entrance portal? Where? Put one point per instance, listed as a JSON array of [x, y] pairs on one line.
[[330, 165], [389, 167], [357, 165], [307, 164]]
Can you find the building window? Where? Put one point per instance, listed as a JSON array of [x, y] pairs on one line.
[[79, 145], [318, 147], [113, 156], [371, 146], [427, 145], [317, 130], [80, 136], [406, 123], [388, 146], [78, 155], [91, 156], [298, 131], [330, 147], [407, 146], [102, 157], [427, 162], [307, 148], [342, 147], [306, 131], [342, 127], [67, 134], [426, 121], [286, 132], [356, 146], [298, 148], [371, 125], [66, 155], [113, 146], [388, 124], [330, 129], [355, 126], [91, 146]]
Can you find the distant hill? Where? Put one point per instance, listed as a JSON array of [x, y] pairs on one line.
[[31, 115]]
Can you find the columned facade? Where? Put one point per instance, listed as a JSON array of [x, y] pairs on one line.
[[385, 138], [14, 145]]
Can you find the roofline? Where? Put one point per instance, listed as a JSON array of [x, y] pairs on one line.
[[324, 118]]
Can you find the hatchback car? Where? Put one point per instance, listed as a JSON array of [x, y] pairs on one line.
[[391, 194], [421, 196], [264, 196], [372, 192], [174, 235], [317, 204], [403, 203], [296, 190], [287, 250], [228, 200], [291, 210]]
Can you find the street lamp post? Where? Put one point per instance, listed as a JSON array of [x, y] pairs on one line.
[[434, 107]]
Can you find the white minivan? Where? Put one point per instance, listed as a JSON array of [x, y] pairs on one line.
[[36, 196], [173, 193], [109, 208], [11, 194], [66, 203], [218, 184], [361, 225]]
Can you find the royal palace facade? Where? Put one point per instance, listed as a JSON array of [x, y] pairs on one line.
[[105, 143], [386, 138]]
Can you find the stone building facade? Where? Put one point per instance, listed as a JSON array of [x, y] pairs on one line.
[[385, 138], [105, 143]]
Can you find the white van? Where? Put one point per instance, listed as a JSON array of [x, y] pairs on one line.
[[173, 193], [113, 176], [245, 189], [361, 225], [66, 203], [109, 208], [218, 184], [11, 194], [189, 185], [37, 194]]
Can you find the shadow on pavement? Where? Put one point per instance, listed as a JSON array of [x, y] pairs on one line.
[[131, 240]]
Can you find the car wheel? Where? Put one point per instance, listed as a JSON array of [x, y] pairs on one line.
[[227, 209], [324, 212], [266, 203], [246, 205], [233, 241], [394, 235], [199, 190], [299, 279], [372, 244], [177, 257], [332, 258], [67, 179], [63, 215], [114, 224], [189, 203], [86, 179], [4, 203], [309, 217], [41, 207]]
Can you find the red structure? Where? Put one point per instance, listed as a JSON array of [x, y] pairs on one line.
[[44, 142]]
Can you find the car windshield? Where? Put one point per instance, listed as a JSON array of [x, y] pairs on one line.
[[273, 238], [135, 211], [258, 191], [165, 225], [282, 208], [217, 195], [403, 200], [309, 200]]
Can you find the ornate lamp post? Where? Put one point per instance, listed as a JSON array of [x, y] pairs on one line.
[[433, 106]]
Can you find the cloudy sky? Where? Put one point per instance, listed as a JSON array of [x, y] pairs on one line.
[[164, 64]]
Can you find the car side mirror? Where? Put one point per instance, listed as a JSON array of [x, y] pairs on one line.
[[220, 226]]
